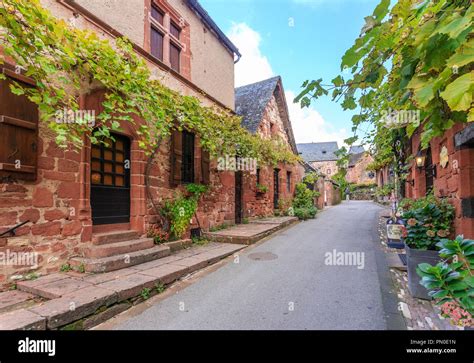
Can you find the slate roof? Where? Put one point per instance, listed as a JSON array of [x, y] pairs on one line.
[[354, 158], [251, 101], [356, 149], [318, 151]]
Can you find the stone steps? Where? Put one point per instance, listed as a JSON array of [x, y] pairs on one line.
[[96, 297], [116, 262], [118, 248], [114, 237]]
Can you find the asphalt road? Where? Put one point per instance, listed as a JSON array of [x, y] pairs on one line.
[[297, 289]]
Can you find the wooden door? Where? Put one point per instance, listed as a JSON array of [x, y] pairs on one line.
[[110, 181]]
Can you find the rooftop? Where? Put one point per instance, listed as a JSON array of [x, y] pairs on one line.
[[318, 151]]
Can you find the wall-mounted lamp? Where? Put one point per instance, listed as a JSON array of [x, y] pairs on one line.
[[420, 159]]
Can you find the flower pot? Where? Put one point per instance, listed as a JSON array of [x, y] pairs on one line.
[[414, 258]]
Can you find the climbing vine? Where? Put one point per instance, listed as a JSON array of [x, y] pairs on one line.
[[67, 62], [416, 56]]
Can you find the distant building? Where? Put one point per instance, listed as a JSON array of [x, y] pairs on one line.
[[357, 172], [321, 156]]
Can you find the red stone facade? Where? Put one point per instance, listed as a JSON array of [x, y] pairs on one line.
[[57, 201], [454, 181]]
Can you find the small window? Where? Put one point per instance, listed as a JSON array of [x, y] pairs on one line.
[[174, 57], [175, 30], [329, 171], [156, 44], [187, 172], [288, 181], [157, 14], [258, 176]]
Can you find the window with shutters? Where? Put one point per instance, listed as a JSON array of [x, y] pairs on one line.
[[18, 129], [187, 171], [165, 36]]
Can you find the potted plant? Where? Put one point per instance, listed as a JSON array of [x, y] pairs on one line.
[[451, 282], [427, 221]]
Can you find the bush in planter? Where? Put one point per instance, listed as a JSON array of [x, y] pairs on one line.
[[303, 203], [451, 282], [428, 220]]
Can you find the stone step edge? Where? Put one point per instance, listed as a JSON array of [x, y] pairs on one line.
[[117, 262], [133, 245], [107, 306], [216, 237], [105, 238]]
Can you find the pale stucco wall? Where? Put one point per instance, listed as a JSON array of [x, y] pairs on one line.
[[212, 65], [106, 13]]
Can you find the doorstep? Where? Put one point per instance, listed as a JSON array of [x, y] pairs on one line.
[[86, 297], [251, 232]]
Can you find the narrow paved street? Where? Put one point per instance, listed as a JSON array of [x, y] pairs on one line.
[[295, 290]]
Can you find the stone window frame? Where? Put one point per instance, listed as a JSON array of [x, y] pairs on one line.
[[170, 17]]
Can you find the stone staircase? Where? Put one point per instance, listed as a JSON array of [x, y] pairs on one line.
[[116, 250]]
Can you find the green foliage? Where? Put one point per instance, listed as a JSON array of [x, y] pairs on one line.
[[145, 293], [81, 268], [303, 202], [67, 62], [453, 279], [412, 56], [200, 241], [182, 208], [428, 220], [311, 178], [305, 213], [262, 188], [385, 190], [159, 287], [65, 268]]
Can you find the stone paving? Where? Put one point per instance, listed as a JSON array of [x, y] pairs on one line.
[[418, 314], [63, 298], [250, 232]]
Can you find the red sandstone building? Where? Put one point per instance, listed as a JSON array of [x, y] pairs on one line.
[[68, 200], [447, 168]]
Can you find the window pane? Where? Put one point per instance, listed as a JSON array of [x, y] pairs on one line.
[[188, 158], [119, 169], [108, 180], [108, 155], [156, 44], [108, 167], [174, 57], [95, 151], [95, 178], [119, 145], [119, 156], [175, 30], [96, 165], [119, 181], [157, 15]]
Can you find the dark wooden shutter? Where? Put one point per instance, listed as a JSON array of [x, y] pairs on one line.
[[156, 46], [205, 167], [176, 153], [18, 130]]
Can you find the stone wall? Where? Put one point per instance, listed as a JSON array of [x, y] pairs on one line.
[[358, 173], [328, 168], [455, 181]]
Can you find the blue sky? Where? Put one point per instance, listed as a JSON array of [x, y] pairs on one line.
[[299, 40]]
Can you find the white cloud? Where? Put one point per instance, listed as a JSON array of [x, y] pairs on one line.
[[309, 126], [253, 66]]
